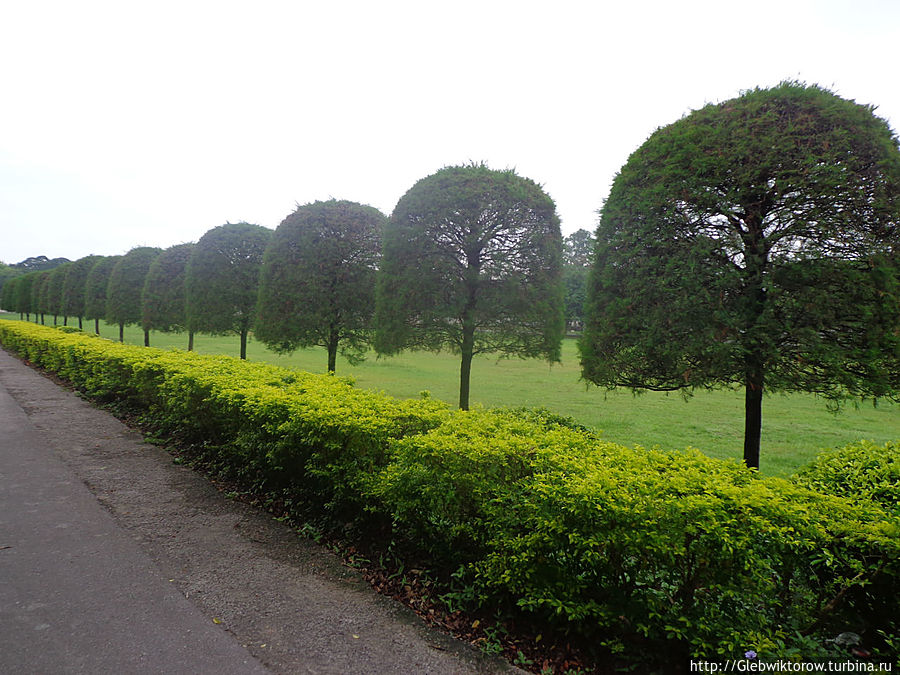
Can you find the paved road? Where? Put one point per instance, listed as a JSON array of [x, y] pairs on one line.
[[115, 560]]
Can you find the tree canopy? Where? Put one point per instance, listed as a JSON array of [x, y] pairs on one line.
[[73, 291], [126, 283], [95, 289], [55, 291], [752, 243], [163, 298], [318, 280], [222, 280], [472, 261]]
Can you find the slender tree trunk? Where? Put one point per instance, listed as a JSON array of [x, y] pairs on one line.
[[753, 397], [333, 339], [146, 338], [465, 368], [54, 319], [80, 324], [190, 340], [97, 326], [244, 343], [756, 262], [122, 332], [65, 319], [43, 323]]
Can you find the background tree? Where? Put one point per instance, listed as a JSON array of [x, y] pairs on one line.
[[578, 249], [163, 301], [7, 273], [23, 298], [222, 281], [40, 298], [39, 263], [74, 286], [318, 280], [8, 294], [55, 292], [472, 261], [126, 283], [95, 289], [752, 244]]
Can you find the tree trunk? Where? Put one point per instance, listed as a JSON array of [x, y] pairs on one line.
[[333, 339], [244, 344], [80, 324], [97, 326], [753, 397], [190, 340], [65, 319], [146, 338], [465, 368], [122, 332]]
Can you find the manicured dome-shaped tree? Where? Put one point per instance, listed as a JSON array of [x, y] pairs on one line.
[[753, 244], [318, 280]]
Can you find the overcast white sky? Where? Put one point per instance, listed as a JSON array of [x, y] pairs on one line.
[[125, 124]]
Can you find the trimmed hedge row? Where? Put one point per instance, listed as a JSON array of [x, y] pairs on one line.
[[646, 552]]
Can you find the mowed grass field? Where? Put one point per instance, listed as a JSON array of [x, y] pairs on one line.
[[795, 426]]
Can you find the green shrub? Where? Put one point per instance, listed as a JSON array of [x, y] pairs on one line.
[[857, 471], [645, 552]]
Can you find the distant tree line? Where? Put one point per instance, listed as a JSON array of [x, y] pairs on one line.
[[753, 243]]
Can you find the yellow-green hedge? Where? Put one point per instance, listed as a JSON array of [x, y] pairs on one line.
[[647, 552]]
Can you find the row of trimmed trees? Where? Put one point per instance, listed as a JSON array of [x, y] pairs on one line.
[[753, 243], [471, 260]]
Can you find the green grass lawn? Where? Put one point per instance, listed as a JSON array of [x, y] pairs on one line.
[[795, 426]]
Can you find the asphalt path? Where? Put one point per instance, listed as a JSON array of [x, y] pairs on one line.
[[115, 560]]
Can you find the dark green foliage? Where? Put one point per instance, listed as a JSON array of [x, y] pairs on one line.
[[95, 288], [126, 283], [8, 294], [40, 296], [751, 244], [23, 301], [222, 280], [163, 298], [8, 273], [55, 290], [318, 280], [578, 249], [39, 263], [472, 262], [73, 291]]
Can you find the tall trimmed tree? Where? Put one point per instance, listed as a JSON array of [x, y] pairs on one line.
[[23, 299], [8, 294], [126, 283], [753, 244], [222, 281], [95, 289], [74, 286], [40, 295], [163, 300], [472, 262], [318, 280], [55, 292]]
